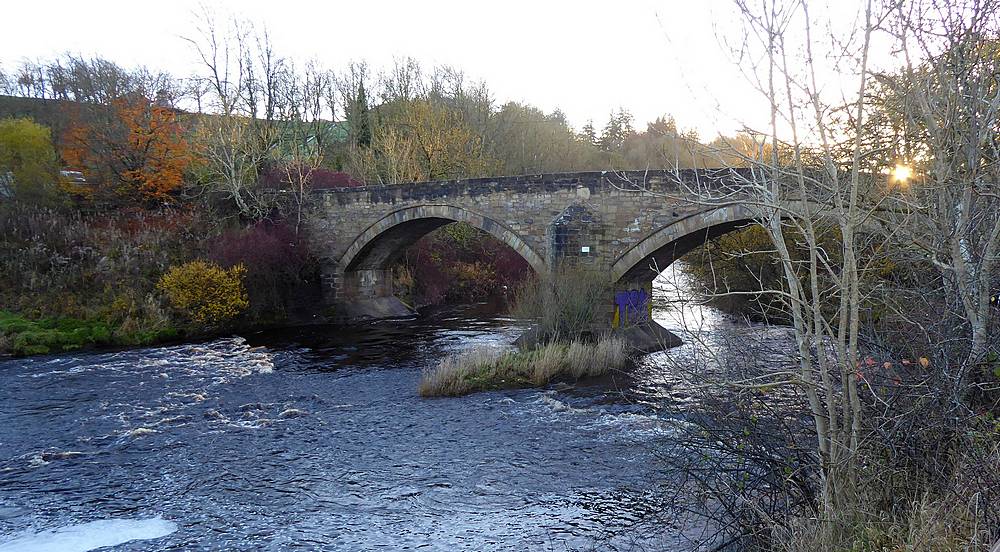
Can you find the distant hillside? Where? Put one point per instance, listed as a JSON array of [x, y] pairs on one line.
[[51, 113], [54, 114]]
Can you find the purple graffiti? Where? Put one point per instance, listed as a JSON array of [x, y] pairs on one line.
[[632, 305]]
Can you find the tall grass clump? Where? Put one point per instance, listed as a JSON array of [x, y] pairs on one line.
[[459, 374], [584, 360], [927, 524], [485, 368], [565, 304]]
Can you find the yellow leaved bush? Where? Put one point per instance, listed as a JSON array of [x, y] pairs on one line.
[[205, 292]]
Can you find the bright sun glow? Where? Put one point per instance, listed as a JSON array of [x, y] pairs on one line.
[[902, 173]]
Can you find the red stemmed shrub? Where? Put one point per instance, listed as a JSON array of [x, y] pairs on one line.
[[323, 179], [459, 263], [276, 261], [275, 176]]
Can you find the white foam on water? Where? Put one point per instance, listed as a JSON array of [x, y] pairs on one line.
[[548, 398], [88, 536]]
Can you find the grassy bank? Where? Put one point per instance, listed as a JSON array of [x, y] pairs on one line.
[[21, 336], [73, 279], [485, 368]]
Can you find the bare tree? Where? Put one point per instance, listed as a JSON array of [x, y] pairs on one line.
[[787, 195], [821, 169], [403, 82], [243, 73], [302, 138], [948, 99], [7, 86]]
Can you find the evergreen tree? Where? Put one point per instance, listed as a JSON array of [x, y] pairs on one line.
[[364, 133], [619, 128], [588, 134], [361, 120]]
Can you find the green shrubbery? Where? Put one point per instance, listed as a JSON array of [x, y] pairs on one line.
[[98, 269], [458, 263], [28, 160], [103, 266], [732, 270], [50, 335], [739, 272], [22, 337]]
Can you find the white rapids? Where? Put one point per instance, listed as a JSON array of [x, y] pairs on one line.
[[88, 536]]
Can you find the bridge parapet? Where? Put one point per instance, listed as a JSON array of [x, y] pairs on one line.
[[655, 181]]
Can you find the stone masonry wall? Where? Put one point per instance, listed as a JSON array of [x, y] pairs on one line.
[[556, 215]]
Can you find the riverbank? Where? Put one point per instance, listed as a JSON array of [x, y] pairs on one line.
[[20, 336], [74, 279]]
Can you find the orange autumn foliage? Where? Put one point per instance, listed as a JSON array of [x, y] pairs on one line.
[[137, 146], [74, 139]]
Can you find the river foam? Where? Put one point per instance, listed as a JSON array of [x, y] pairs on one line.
[[89, 536]]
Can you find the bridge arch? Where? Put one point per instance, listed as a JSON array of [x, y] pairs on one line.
[[667, 244], [384, 241]]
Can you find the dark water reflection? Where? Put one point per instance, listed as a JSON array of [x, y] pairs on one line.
[[316, 439]]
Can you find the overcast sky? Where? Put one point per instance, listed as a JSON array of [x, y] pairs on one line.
[[584, 57]]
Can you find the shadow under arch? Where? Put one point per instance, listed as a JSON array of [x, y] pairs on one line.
[[643, 261], [382, 243]]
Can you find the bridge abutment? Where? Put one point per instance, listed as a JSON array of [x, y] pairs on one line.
[[631, 316], [363, 295]]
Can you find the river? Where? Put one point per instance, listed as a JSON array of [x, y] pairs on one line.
[[315, 439]]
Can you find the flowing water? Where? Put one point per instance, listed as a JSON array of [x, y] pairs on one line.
[[315, 439]]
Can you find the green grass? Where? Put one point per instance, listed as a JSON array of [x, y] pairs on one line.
[[23, 337], [486, 368]]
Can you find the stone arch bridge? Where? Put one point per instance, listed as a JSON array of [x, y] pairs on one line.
[[623, 224]]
